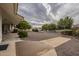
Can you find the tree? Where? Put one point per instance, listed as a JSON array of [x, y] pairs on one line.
[[65, 23], [60, 24], [49, 27], [29, 26], [45, 27], [68, 22], [52, 27], [23, 25]]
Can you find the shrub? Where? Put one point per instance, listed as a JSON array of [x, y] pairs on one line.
[[67, 32], [15, 31], [35, 30], [23, 25], [77, 33], [22, 34]]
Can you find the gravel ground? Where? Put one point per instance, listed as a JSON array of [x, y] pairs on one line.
[[38, 36]]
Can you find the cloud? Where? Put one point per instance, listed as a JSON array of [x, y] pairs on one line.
[[40, 13], [48, 9]]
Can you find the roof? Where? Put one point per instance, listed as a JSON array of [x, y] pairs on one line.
[[77, 25]]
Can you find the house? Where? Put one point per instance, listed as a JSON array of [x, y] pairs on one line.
[[76, 26], [8, 17]]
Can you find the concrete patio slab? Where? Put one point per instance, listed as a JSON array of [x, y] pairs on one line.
[[10, 39], [11, 50], [54, 42], [39, 48], [32, 48]]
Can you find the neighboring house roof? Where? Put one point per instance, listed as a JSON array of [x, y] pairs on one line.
[[77, 25]]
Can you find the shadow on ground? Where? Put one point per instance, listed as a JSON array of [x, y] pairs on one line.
[[70, 48]]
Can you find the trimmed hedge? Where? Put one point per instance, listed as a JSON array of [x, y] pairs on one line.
[[76, 33], [67, 32], [22, 34]]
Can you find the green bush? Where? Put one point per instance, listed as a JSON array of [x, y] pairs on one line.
[[22, 34], [35, 30], [67, 32], [76, 33], [71, 32], [23, 25], [15, 31]]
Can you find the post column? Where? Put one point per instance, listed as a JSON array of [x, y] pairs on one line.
[[0, 27]]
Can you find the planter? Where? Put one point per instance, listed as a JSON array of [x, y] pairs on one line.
[[3, 47]]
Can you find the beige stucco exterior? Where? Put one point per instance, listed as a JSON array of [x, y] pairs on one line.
[[8, 16], [8, 19], [9, 13]]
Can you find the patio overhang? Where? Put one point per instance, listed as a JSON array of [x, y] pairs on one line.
[[9, 17], [9, 13]]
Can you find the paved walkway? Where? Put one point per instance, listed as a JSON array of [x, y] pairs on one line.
[[11, 50], [10, 39]]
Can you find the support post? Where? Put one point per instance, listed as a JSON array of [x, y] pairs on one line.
[[0, 27]]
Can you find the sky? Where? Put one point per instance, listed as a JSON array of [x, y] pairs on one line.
[[38, 14]]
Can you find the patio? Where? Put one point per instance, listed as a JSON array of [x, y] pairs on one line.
[[46, 46], [10, 39], [40, 48]]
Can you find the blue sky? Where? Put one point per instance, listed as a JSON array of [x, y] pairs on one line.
[[40, 13]]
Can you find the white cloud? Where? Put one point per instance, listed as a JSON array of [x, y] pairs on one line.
[[48, 12], [49, 8]]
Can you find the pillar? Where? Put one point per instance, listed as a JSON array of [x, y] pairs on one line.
[[0, 27]]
